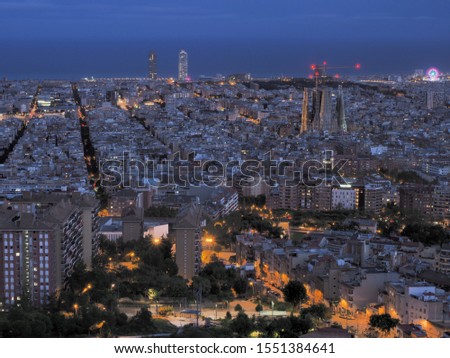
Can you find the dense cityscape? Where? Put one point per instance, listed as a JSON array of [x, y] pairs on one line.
[[226, 206]]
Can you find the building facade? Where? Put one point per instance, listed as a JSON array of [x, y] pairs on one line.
[[152, 68], [182, 66], [40, 249], [188, 236]]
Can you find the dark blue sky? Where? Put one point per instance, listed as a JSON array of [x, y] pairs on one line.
[[67, 38]]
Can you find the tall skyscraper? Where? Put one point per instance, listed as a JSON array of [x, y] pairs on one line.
[[152, 69], [340, 111], [305, 111], [182, 66]]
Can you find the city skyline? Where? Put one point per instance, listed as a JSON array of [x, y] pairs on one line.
[[292, 62], [297, 65], [224, 169]]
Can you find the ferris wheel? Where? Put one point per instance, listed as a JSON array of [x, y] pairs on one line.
[[433, 74]]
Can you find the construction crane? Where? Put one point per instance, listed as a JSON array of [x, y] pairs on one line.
[[320, 71]]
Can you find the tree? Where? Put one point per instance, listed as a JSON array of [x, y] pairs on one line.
[[242, 325], [294, 293], [258, 201], [22, 324], [383, 322], [170, 267], [142, 321], [217, 280], [319, 312], [175, 287], [238, 308], [160, 211], [300, 325], [203, 283], [426, 234], [259, 308], [165, 247], [240, 286], [216, 270], [18, 329], [41, 325], [288, 327], [152, 294]]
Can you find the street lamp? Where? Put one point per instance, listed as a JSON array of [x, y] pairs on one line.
[[273, 304], [117, 291], [87, 288], [75, 306], [196, 304]]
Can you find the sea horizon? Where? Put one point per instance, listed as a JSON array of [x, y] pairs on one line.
[[76, 59]]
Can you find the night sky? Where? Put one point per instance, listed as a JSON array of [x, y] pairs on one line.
[[71, 39]]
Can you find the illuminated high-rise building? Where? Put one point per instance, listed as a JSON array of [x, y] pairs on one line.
[[305, 111], [152, 69], [340, 111], [182, 66], [188, 238]]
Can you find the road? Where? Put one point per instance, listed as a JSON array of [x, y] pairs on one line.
[[271, 287], [184, 319], [357, 325]]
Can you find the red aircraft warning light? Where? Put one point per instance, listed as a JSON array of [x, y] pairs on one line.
[[320, 70]]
